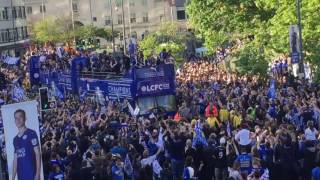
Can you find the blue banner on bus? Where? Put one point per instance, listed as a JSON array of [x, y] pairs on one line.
[[112, 89], [155, 87]]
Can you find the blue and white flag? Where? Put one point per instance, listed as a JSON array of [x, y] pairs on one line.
[[56, 91], [272, 90], [199, 137], [83, 95], [11, 60], [18, 94], [128, 166]]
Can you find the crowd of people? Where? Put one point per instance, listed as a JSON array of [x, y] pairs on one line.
[[228, 126]]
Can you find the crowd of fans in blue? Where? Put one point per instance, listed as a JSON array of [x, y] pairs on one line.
[[228, 126]]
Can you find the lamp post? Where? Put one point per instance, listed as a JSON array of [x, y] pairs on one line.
[[42, 4], [123, 26], [124, 29], [73, 26], [301, 65], [112, 30], [90, 9]]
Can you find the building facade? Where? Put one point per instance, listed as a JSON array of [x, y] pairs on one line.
[[13, 27], [140, 16]]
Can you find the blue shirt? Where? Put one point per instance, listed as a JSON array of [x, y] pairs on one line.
[[56, 176], [316, 173], [24, 150], [266, 154], [245, 161], [117, 173]]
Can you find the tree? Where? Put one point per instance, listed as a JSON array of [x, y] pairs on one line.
[[267, 21], [46, 31], [148, 45], [250, 60], [166, 37]]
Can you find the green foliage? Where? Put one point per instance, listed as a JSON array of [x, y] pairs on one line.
[[167, 37], [148, 45], [224, 21], [173, 47], [251, 60], [61, 30], [46, 31]]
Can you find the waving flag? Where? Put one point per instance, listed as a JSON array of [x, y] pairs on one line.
[[11, 60], [272, 90], [128, 166], [56, 91], [199, 137], [18, 94]]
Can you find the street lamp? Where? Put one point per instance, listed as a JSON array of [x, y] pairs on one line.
[[123, 27], [301, 65], [112, 30]]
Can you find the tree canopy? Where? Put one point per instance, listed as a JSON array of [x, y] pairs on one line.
[[166, 37], [267, 21], [61, 30]]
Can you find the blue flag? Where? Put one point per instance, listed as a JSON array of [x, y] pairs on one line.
[[199, 137], [18, 93], [56, 91], [128, 166], [272, 90]]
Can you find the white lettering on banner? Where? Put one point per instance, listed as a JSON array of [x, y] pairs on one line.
[[119, 90], [155, 87]]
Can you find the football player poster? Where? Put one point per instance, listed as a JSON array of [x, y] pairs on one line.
[[21, 129]]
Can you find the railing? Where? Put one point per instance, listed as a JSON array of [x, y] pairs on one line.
[[101, 75]]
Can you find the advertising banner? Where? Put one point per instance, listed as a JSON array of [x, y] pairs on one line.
[[34, 70], [155, 87], [294, 43], [165, 70], [111, 89], [22, 137]]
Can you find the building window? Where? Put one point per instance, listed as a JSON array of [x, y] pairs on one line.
[[3, 14], [23, 12], [29, 10], [107, 20], [75, 7], [4, 36], [119, 19], [133, 18], [181, 14], [19, 12], [13, 35], [94, 19], [42, 9], [14, 13], [145, 18], [131, 2]]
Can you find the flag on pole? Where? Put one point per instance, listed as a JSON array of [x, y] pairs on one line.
[[199, 137]]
